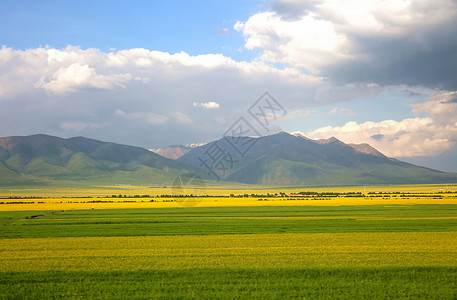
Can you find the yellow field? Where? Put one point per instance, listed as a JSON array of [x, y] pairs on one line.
[[96, 198], [230, 251], [81, 203]]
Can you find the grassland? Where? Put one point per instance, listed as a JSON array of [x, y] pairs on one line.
[[396, 243], [228, 220], [286, 250], [277, 283]]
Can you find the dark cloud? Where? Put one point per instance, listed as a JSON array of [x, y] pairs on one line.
[[412, 44], [452, 100], [425, 56], [411, 94], [292, 9], [377, 137]]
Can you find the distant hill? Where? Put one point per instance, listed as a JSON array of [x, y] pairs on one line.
[[43, 157], [279, 159], [284, 159]]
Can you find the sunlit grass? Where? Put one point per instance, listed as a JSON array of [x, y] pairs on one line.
[[231, 251]]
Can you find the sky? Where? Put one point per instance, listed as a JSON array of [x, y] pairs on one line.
[[159, 73]]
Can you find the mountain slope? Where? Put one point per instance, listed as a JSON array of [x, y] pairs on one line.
[[44, 157], [284, 159], [172, 152]]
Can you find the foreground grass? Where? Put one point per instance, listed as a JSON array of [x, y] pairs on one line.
[[341, 252], [228, 220], [279, 283]]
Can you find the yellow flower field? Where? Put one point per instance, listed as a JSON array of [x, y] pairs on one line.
[[230, 251], [109, 203], [100, 197]]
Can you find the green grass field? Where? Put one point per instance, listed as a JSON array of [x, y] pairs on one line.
[[228, 220], [346, 252], [290, 283]]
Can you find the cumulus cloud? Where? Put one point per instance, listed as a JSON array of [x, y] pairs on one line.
[[387, 42], [420, 136], [207, 105], [43, 88], [69, 70], [442, 107], [77, 76], [306, 43]]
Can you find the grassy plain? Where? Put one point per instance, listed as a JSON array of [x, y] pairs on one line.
[[396, 242], [277, 283], [228, 220], [284, 250]]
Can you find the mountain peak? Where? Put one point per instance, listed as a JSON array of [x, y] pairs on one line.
[[299, 134], [329, 141], [282, 133], [278, 134]]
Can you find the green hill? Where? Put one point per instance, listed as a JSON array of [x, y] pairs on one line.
[[41, 158], [284, 159]]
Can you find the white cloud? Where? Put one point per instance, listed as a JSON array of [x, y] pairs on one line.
[[239, 26], [207, 105], [47, 87], [150, 118], [441, 106], [425, 136], [77, 76], [305, 43], [72, 69]]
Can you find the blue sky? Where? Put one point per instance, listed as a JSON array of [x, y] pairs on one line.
[[145, 73], [195, 27]]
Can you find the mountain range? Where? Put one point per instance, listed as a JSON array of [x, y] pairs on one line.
[[278, 159], [285, 159], [42, 158]]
